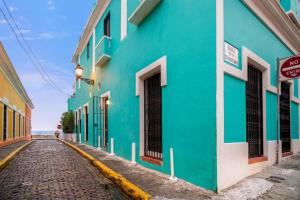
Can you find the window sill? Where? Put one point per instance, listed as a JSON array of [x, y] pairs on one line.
[[151, 160], [257, 160], [287, 154]]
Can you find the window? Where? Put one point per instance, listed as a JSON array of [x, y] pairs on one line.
[[153, 117], [20, 125], [88, 50], [285, 119], [86, 127], [5, 123], [107, 25], [149, 83], [14, 124], [23, 126], [254, 112]]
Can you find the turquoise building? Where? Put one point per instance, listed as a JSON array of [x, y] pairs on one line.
[[189, 88]]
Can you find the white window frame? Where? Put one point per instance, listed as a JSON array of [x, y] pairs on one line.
[[159, 65]]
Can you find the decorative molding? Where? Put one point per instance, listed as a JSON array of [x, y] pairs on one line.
[[273, 15], [105, 94], [294, 18], [92, 22], [249, 57], [158, 65], [142, 11], [11, 75]]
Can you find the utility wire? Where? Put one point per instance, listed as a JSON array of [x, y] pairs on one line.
[[31, 55], [29, 48]]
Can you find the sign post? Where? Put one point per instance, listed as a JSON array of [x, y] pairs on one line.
[[287, 69]]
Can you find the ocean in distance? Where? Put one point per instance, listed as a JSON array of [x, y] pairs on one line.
[[43, 132]]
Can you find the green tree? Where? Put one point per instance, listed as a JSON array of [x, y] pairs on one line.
[[67, 121]]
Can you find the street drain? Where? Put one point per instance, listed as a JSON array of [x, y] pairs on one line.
[[275, 179]]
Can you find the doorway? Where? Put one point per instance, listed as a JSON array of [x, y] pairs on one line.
[[86, 124], [105, 121], [153, 117], [254, 112], [285, 119], [5, 123]]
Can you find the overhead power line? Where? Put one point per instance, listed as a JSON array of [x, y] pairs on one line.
[[29, 52]]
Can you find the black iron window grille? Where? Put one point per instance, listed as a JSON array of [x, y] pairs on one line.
[[254, 112], [76, 122], [79, 129], [5, 123], [14, 124], [285, 121], [153, 117], [86, 123]]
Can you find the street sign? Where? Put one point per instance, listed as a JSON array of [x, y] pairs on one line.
[[59, 126], [290, 68], [231, 54]]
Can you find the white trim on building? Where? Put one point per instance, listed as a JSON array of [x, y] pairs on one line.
[[159, 65], [220, 89], [123, 19]]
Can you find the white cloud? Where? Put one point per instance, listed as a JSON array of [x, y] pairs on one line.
[[48, 35], [12, 9], [3, 21], [50, 2], [51, 5], [25, 31]]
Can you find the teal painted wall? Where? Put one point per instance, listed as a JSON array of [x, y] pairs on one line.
[[286, 4], [235, 131], [271, 110], [174, 29], [242, 28]]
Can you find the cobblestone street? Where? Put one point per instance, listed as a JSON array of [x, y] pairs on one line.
[[47, 169]]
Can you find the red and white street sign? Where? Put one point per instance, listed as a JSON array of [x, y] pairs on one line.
[[290, 68]]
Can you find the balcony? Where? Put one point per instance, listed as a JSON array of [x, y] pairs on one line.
[[142, 11], [103, 51]]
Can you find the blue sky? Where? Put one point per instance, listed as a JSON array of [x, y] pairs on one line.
[[52, 28]]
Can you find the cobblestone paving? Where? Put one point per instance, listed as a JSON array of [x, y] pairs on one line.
[[48, 169]]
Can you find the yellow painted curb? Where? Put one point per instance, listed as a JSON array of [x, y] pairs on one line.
[[11, 155], [129, 188]]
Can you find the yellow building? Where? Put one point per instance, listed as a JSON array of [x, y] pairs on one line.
[[15, 105]]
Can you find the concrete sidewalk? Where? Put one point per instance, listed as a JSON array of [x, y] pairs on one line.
[[4, 151], [276, 182], [158, 185]]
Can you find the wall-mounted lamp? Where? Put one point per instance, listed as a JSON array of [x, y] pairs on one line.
[[79, 72]]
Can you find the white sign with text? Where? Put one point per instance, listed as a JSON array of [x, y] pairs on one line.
[[231, 54]]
